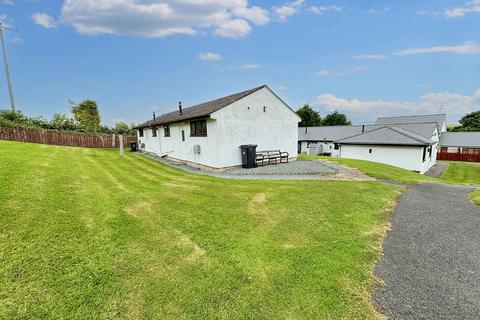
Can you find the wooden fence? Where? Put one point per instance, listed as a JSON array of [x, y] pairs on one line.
[[458, 157], [64, 138]]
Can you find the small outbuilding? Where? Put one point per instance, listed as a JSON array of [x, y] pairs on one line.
[[210, 134]]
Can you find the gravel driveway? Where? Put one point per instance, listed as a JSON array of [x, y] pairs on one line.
[[431, 259]]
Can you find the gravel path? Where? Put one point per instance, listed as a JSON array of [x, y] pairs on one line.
[[431, 259], [294, 170]]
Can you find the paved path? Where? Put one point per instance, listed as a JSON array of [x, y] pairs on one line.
[[431, 259], [293, 170], [437, 170]]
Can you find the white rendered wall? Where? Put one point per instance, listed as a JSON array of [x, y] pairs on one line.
[[246, 122], [152, 144], [406, 157], [243, 122]]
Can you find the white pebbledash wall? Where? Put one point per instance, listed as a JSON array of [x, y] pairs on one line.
[[243, 122]]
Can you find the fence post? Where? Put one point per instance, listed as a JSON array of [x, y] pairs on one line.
[[113, 140], [121, 145]]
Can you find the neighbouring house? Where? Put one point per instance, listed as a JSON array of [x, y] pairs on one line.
[[460, 146], [396, 141], [460, 142], [210, 134], [393, 145], [440, 119]]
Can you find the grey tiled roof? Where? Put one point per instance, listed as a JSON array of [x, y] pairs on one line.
[[199, 110], [460, 139], [388, 135], [335, 133], [440, 119]]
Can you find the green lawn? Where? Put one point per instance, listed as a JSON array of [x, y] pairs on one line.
[[462, 173], [86, 234], [457, 172], [377, 170]]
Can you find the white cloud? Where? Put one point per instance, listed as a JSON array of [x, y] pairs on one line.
[[464, 48], [455, 105], [472, 6], [256, 15], [322, 9], [247, 66], [345, 72], [378, 10], [251, 66], [322, 73], [282, 88], [236, 28], [468, 47], [159, 18], [44, 20], [9, 2], [17, 40], [288, 10], [210, 56], [371, 57]]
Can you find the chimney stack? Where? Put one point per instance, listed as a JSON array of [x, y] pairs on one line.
[[153, 115], [180, 107]]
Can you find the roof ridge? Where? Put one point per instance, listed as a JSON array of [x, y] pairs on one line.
[[408, 133], [361, 133], [415, 115], [247, 92]]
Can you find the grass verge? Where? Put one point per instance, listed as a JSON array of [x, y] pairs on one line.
[[462, 173], [87, 234]]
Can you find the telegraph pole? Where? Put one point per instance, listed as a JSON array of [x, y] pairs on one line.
[[7, 69]]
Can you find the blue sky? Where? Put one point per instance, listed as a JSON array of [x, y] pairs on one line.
[[363, 58]]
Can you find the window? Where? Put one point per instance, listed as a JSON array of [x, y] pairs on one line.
[[198, 128], [183, 135], [369, 150], [424, 153], [140, 132], [154, 132], [166, 131], [264, 108], [430, 152], [336, 146]]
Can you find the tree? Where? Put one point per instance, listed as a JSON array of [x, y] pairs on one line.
[[123, 128], [336, 119], [470, 122], [87, 115], [62, 122], [310, 117]]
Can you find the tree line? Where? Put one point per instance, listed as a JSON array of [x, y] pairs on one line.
[[312, 118], [85, 118]]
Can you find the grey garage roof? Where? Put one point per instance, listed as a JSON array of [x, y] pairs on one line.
[[199, 110], [387, 135], [335, 133], [460, 139], [440, 119]]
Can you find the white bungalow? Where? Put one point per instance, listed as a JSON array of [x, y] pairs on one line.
[[409, 142], [210, 134]]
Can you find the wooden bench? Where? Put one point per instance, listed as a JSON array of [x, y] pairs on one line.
[[271, 157]]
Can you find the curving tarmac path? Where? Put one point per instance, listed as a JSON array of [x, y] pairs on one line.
[[431, 259]]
